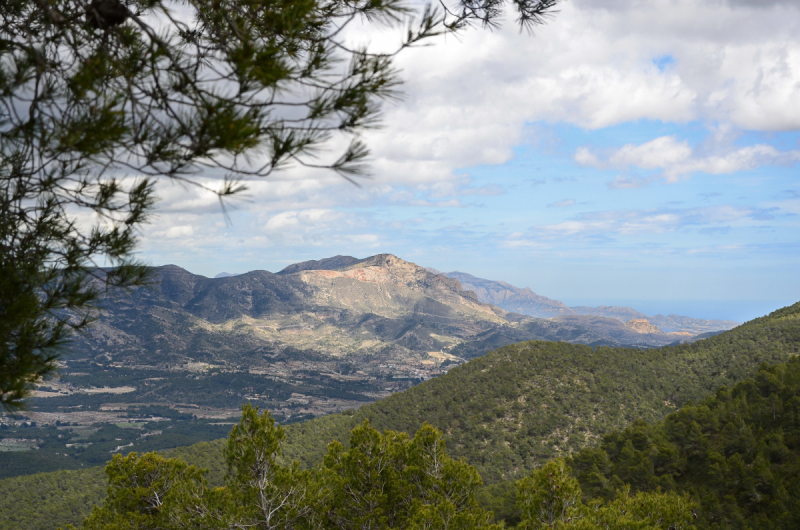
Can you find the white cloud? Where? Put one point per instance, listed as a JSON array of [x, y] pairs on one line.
[[614, 223], [175, 232], [677, 159], [562, 204], [306, 218], [659, 153], [585, 157], [316, 227], [468, 101]]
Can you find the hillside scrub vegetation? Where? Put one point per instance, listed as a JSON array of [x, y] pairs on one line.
[[507, 412]]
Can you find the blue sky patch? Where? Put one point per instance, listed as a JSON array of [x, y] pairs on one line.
[[663, 62]]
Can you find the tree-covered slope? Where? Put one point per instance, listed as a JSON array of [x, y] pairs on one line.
[[514, 408], [524, 403], [737, 453]]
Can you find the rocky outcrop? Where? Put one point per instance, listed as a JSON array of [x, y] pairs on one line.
[[642, 325]]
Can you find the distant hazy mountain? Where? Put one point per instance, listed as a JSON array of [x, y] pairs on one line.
[[667, 323], [511, 298], [225, 275], [692, 325], [620, 313], [529, 303]]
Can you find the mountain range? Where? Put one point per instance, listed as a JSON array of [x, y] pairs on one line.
[[529, 303], [316, 338], [169, 364], [334, 332]]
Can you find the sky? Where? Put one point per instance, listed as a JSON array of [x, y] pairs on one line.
[[629, 152]]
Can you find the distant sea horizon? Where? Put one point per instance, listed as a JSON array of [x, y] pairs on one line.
[[737, 310]]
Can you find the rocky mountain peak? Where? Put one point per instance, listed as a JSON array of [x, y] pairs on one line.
[[389, 269]]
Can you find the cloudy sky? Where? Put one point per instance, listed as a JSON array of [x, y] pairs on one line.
[[633, 152]]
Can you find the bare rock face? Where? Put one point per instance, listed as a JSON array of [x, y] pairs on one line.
[[389, 286], [411, 275], [642, 325]]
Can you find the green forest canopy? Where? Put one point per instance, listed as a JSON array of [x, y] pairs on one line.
[[737, 453]]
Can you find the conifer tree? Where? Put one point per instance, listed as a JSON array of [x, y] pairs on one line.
[[388, 480], [551, 498], [383, 481]]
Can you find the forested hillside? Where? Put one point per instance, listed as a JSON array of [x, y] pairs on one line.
[[504, 413], [737, 454], [527, 402]]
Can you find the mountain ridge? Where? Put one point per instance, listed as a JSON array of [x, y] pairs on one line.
[[511, 298], [303, 343]]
